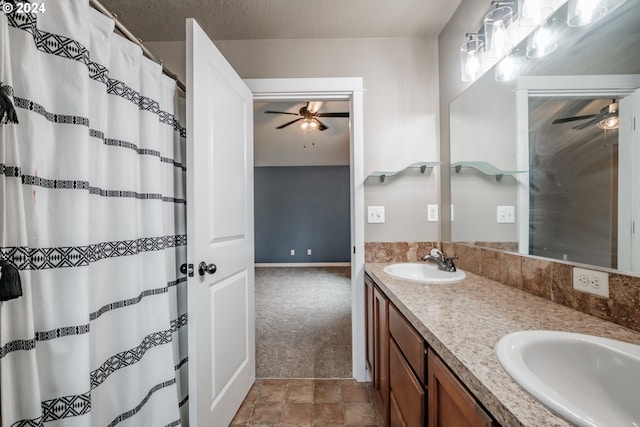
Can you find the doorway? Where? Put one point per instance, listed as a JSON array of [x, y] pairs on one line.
[[349, 90]]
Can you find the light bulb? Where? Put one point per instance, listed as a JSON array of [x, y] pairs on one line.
[[609, 123]]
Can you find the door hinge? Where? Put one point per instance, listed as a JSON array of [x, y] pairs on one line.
[[633, 227], [354, 249]]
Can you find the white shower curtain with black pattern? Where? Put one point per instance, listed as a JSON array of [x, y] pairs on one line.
[[92, 213]]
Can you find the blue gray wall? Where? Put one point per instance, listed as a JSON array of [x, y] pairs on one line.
[[302, 207]]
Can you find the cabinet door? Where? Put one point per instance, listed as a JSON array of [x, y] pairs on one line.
[[381, 349], [369, 326], [395, 416], [406, 390], [450, 404]]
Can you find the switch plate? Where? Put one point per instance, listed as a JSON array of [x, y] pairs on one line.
[[506, 214], [375, 214], [432, 213], [594, 282]]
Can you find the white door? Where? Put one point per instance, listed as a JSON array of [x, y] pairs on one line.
[[220, 234]]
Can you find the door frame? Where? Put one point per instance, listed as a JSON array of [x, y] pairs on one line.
[[337, 88], [590, 86]]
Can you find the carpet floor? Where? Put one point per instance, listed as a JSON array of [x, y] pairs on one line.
[[303, 322]]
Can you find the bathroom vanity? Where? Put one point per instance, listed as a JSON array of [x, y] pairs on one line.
[[431, 349]]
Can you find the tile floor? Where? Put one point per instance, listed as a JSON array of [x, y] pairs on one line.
[[308, 402]]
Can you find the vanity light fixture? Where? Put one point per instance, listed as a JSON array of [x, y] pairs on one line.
[[585, 12], [496, 22], [509, 67], [471, 58], [541, 42], [534, 13]]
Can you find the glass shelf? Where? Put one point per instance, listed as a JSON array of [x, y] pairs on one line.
[[382, 175], [486, 168]]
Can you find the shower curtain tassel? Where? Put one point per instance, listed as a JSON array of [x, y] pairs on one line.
[[10, 285], [7, 110]]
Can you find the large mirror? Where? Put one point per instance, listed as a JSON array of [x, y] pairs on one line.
[[539, 164]]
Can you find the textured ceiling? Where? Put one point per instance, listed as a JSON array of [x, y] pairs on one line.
[[163, 20]]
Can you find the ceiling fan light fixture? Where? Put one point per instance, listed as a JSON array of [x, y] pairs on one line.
[[612, 122], [308, 124]]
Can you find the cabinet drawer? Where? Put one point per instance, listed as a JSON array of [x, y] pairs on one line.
[[409, 341], [408, 393]]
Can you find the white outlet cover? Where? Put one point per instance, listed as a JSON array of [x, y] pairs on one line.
[[375, 214], [591, 281], [506, 214]]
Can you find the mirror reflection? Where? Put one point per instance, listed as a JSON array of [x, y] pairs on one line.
[[562, 134]]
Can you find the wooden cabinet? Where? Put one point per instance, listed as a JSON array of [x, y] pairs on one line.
[[377, 319], [406, 391], [414, 387], [450, 404]]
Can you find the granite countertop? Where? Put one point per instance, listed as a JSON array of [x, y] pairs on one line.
[[463, 322]]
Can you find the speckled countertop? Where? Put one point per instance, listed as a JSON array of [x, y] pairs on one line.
[[463, 322]]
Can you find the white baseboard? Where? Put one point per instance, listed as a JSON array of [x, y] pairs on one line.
[[303, 264]]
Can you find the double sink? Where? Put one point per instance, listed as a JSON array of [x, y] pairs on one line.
[[590, 381]]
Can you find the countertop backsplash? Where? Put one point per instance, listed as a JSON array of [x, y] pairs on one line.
[[545, 278]]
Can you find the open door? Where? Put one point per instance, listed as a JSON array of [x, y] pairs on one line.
[[220, 234]]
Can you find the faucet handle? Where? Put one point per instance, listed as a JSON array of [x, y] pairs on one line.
[[436, 253]]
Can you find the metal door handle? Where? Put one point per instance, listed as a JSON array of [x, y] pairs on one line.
[[204, 268], [187, 269]]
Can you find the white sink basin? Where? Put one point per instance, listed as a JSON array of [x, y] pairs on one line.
[[589, 381], [426, 272]]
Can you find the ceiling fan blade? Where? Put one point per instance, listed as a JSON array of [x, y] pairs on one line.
[[322, 125], [572, 119], [593, 121], [289, 123], [281, 112], [332, 115]]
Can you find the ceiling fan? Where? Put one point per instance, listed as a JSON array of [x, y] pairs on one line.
[[308, 117], [607, 118]]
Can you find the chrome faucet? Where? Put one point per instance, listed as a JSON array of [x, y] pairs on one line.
[[441, 260]]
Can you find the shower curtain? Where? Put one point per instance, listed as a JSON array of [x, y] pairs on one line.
[[92, 213]]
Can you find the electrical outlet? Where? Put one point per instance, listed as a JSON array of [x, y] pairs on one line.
[[308, 251], [594, 282], [293, 252]]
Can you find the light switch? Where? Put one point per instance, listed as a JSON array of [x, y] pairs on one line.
[[432, 213], [506, 214], [375, 214]]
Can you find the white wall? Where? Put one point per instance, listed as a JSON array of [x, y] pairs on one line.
[[400, 110], [467, 18]]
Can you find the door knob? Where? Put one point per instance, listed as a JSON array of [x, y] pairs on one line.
[[204, 268]]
